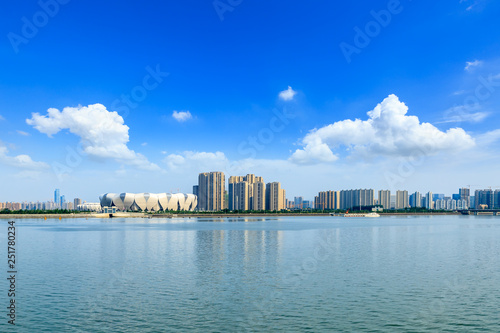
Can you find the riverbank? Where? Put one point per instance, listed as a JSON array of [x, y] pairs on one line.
[[71, 216], [286, 214], [194, 215], [43, 216]]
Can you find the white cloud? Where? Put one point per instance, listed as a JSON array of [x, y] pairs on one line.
[[488, 138], [197, 160], [1, 118], [20, 161], [144, 144], [287, 95], [22, 133], [314, 151], [388, 131], [103, 133], [464, 113], [182, 116], [469, 65], [477, 5]]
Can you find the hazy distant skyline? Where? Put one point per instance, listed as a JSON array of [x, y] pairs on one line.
[[141, 97]]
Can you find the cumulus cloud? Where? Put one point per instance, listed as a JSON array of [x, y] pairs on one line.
[[287, 95], [20, 161], [315, 150], [103, 133], [469, 65], [182, 116], [388, 131]]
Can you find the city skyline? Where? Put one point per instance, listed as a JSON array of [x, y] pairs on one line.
[[250, 192], [357, 95]]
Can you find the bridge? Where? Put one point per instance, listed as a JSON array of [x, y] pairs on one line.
[[490, 212]]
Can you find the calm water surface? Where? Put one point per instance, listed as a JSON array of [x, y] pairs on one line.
[[289, 274]]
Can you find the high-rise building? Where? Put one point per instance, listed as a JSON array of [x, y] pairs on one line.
[[57, 197], [393, 201], [259, 196], [464, 194], [440, 204], [298, 202], [76, 202], [226, 198], [437, 196], [449, 204], [429, 202], [67, 205], [384, 198], [327, 200], [497, 199], [275, 197], [472, 202], [416, 200], [232, 198], [484, 197], [211, 186], [195, 190], [363, 198], [402, 200], [242, 196], [356, 198], [239, 199]]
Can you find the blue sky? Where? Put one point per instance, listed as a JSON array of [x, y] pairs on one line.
[[227, 62]]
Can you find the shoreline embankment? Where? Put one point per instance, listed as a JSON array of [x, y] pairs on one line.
[[215, 215]]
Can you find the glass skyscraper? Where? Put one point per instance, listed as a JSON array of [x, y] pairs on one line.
[[57, 197]]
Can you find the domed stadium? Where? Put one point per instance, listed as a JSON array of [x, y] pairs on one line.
[[149, 202]]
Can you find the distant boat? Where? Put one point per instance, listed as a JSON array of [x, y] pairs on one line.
[[356, 214]]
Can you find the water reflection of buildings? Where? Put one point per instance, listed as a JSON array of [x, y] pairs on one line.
[[237, 251]]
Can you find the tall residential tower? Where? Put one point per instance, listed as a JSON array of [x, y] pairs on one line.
[[211, 186], [275, 197], [246, 193]]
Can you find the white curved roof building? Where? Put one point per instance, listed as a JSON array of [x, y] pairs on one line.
[[149, 202]]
